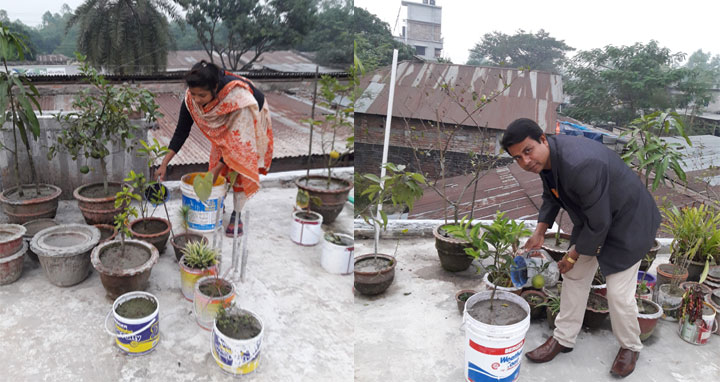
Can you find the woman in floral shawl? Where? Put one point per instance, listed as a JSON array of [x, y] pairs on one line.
[[235, 117]]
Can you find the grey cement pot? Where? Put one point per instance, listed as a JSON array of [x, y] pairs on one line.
[[64, 252]]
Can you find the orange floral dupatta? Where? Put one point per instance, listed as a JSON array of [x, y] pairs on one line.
[[239, 133]]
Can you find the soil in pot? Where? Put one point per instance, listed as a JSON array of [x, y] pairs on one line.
[[503, 312], [215, 288], [534, 299], [134, 256], [645, 307], [372, 265], [322, 184], [553, 245], [96, 191], [137, 307], [29, 192], [239, 326], [149, 227]]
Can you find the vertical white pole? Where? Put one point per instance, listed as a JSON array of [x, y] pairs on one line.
[[388, 120]]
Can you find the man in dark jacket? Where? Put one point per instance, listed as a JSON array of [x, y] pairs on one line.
[[615, 221]]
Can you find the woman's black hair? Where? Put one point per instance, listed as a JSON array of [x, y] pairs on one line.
[[520, 129], [204, 75]]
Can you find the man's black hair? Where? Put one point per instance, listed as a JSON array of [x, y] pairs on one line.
[[204, 75], [520, 129]]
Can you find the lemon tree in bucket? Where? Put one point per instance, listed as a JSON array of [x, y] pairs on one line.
[[237, 336], [496, 321], [198, 260], [137, 322], [375, 272]]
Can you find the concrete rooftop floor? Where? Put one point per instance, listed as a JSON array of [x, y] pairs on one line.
[[49, 333], [413, 332]]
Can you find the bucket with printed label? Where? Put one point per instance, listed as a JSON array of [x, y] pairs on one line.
[[136, 331], [494, 352], [202, 215], [238, 355]]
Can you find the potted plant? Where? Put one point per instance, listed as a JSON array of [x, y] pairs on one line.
[[649, 258], [696, 237], [337, 253], [643, 291], [498, 242], [461, 297], [124, 265], [151, 229], [696, 317], [596, 311], [648, 314], [328, 194], [210, 295], [198, 260], [535, 300], [101, 116], [557, 244], [137, 322], [24, 202], [180, 241], [375, 272], [598, 284], [552, 306], [237, 340]]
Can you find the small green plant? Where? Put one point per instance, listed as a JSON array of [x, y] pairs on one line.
[[642, 287], [185, 215], [236, 324], [124, 199], [552, 304], [199, 255]]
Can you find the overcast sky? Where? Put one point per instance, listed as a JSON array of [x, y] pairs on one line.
[[684, 26], [30, 11]]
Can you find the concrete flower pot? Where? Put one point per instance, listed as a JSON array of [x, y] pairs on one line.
[[33, 227], [30, 207], [64, 252], [124, 272]]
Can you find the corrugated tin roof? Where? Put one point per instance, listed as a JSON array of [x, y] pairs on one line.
[[419, 94]]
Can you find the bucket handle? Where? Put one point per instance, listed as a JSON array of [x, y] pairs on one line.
[[128, 334]]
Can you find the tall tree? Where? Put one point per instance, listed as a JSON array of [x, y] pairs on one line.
[[701, 76], [617, 84], [124, 36], [232, 28], [537, 51], [331, 37], [375, 42]]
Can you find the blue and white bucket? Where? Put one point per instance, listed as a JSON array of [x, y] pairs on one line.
[[494, 352], [202, 216], [236, 356], [135, 336]]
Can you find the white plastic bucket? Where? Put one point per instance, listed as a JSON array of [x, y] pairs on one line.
[[305, 231], [237, 356], [338, 259], [202, 215], [135, 336], [494, 352]]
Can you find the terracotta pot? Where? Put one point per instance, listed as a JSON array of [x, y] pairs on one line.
[[555, 253], [21, 211], [374, 282], [180, 241], [648, 319], [119, 280], [98, 210], [461, 297], [551, 318], [11, 239], [33, 227], [157, 234], [11, 267], [107, 232], [332, 201], [666, 272], [535, 310], [451, 251], [645, 264], [594, 318], [689, 284]]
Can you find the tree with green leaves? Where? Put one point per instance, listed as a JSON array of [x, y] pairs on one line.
[[232, 28], [619, 84], [124, 36], [701, 75], [331, 37], [536, 51], [374, 41]]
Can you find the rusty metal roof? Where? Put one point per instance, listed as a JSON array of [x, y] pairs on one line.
[[420, 94]]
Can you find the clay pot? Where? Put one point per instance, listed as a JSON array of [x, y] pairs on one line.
[[332, 200], [451, 251], [98, 210], [594, 317], [549, 245], [180, 241], [461, 297], [666, 272], [649, 318], [11, 239], [373, 282], [645, 264], [122, 273], [11, 267], [153, 230], [21, 211], [689, 284], [535, 310]]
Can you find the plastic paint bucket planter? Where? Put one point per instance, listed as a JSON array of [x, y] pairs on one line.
[[206, 307], [306, 232], [236, 356], [202, 215], [494, 352], [189, 276], [135, 336], [338, 259]]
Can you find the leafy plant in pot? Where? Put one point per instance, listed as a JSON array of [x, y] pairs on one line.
[[180, 241], [151, 229], [375, 272], [328, 193], [24, 202], [237, 340], [198, 260], [696, 233], [100, 117], [552, 308], [560, 244], [124, 265]]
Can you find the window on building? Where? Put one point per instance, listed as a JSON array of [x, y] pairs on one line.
[[438, 52], [420, 50]]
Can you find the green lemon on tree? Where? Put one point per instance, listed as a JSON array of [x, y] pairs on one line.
[[538, 281], [84, 169]]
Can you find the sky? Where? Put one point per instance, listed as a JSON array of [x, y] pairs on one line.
[[681, 26], [30, 11]]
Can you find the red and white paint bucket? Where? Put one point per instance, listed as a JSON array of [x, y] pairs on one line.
[[494, 352], [306, 227]]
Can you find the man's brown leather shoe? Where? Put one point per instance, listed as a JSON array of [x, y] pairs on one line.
[[547, 351], [624, 362]]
